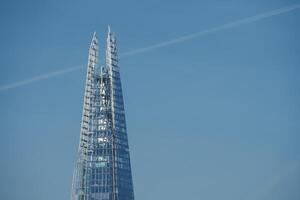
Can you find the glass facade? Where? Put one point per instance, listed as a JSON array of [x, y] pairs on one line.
[[103, 170]]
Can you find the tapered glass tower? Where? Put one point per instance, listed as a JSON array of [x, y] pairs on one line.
[[103, 170]]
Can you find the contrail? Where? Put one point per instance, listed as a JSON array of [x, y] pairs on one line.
[[215, 29], [39, 78], [163, 44], [274, 182]]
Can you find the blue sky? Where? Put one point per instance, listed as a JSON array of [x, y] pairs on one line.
[[214, 117]]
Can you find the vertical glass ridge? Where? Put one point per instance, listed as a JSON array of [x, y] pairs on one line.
[[103, 170]]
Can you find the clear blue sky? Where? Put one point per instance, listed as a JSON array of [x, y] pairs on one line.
[[214, 117]]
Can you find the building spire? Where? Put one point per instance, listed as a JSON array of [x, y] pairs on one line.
[[111, 51], [94, 46], [103, 154], [94, 38]]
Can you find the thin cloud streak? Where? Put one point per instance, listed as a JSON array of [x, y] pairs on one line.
[[163, 44], [39, 78], [215, 29], [274, 182]]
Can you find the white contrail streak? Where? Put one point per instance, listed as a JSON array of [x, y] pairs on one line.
[[274, 182], [39, 78], [163, 44], [215, 29]]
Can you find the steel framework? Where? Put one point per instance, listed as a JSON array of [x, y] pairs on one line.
[[103, 170]]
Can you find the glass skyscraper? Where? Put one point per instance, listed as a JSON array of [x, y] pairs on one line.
[[103, 170]]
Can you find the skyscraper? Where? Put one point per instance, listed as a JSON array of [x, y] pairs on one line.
[[103, 170]]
